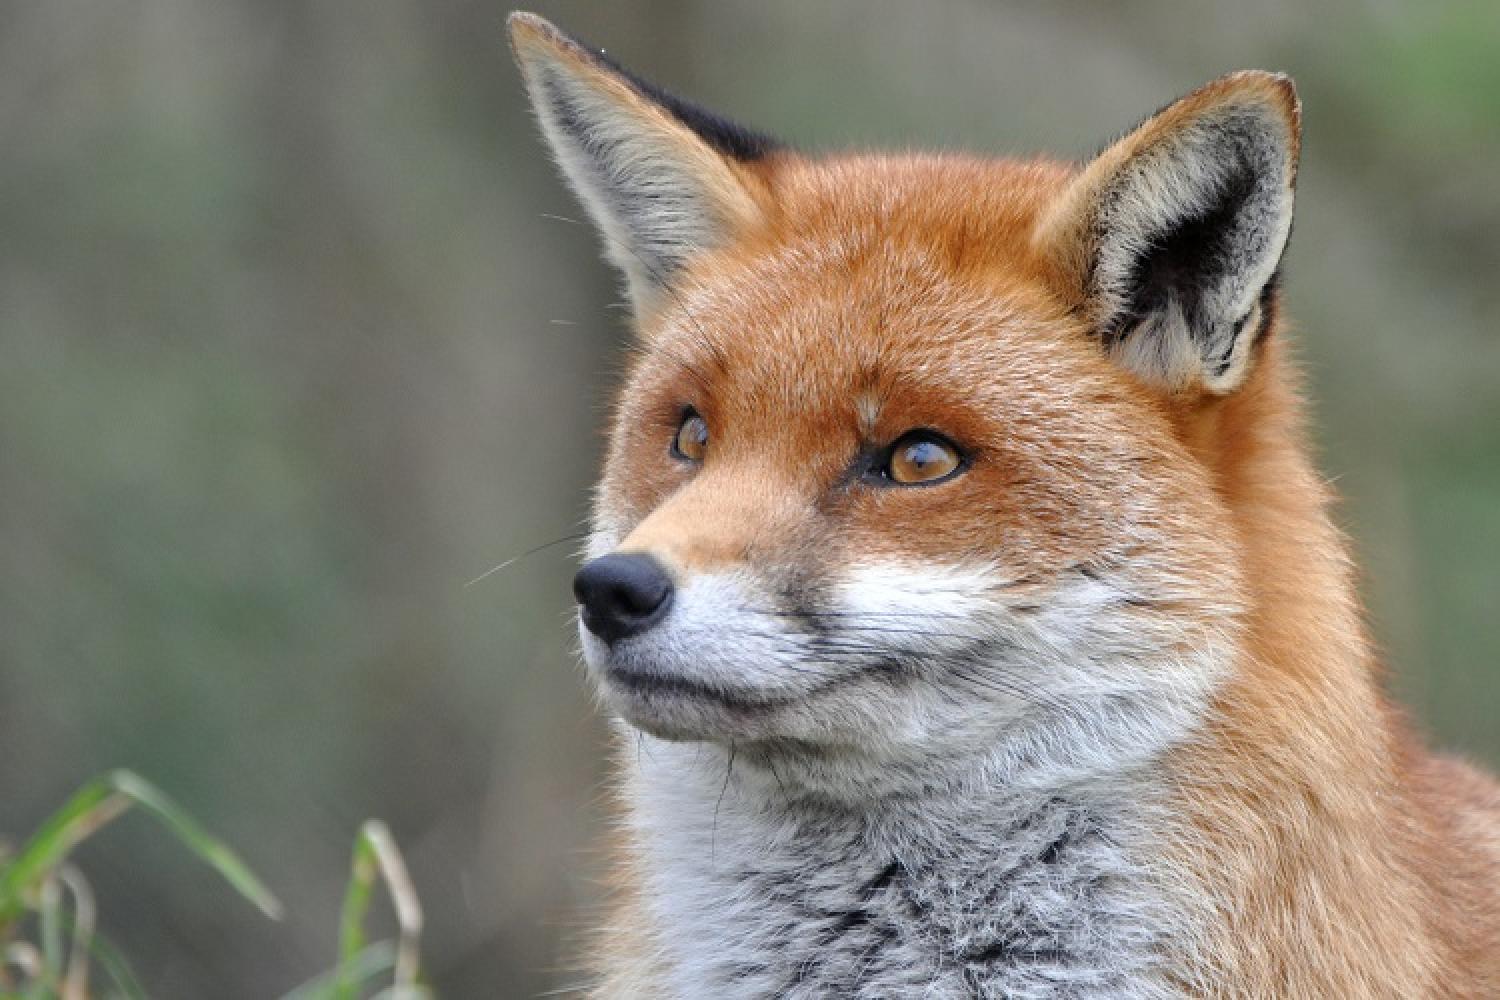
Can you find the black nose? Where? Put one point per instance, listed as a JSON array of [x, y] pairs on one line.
[[622, 595]]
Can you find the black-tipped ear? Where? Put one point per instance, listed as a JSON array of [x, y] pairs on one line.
[[662, 179], [1172, 237]]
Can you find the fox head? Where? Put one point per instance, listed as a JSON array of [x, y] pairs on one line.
[[917, 457]]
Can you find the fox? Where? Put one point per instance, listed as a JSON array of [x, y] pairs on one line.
[[962, 588]]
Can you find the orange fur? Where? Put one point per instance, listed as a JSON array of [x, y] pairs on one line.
[[1343, 858]]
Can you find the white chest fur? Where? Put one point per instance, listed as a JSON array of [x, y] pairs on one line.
[[964, 891]]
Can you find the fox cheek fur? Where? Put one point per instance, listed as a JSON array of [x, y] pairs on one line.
[[964, 582]]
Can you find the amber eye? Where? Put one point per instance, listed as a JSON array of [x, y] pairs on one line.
[[922, 457], [691, 441]]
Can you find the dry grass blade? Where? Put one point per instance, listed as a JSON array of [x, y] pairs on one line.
[[376, 856], [75, 985], [23, 957]]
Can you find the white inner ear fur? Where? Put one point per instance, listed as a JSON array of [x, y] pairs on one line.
[[1233, 166], [657, 193]]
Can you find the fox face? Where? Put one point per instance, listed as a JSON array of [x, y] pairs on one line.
[[908, 464]]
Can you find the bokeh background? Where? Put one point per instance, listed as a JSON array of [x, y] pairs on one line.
[[290, 350]]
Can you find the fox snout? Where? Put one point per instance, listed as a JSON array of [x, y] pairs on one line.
[[622, 594]]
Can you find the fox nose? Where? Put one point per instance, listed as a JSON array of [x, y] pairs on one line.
[[622, 595]]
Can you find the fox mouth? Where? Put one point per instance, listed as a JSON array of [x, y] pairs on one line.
[[680, 706], [675, 707], [652, 686]]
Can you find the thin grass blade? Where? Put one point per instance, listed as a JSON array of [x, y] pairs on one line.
[[93, 806], [377, 856]]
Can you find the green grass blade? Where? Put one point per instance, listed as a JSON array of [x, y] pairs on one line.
[[210, 849], [91, 807], [363, 870], [96, 804]]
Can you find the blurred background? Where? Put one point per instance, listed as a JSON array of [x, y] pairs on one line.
[[290, 351]]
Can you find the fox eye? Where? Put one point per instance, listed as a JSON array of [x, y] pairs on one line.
[[920, 458], [691, 440]]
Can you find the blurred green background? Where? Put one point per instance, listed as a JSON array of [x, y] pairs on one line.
[[290, 351]]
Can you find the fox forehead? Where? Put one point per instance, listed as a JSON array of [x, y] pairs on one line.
[[880, 287]]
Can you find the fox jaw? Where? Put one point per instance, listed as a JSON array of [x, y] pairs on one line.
[[903, 473]]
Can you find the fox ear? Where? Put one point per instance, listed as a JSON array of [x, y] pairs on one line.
[[662, 179], [1170, 241]]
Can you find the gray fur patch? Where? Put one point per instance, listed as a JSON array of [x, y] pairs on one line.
[[1018, 894]]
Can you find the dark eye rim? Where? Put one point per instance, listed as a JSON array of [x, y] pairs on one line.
[[879, 469], [688, 413]]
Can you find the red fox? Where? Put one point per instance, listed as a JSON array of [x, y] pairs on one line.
[[964, 590]]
